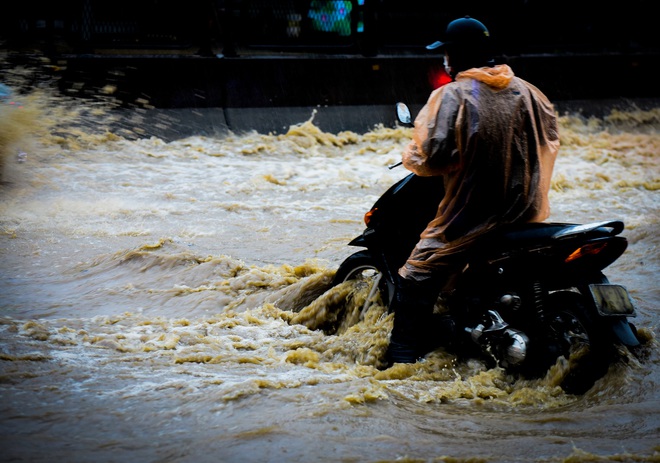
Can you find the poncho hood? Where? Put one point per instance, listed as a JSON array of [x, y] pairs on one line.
[[497, 77]]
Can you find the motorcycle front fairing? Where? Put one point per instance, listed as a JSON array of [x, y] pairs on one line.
[[399, 216]]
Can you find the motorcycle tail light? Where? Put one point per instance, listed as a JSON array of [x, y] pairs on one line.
[[369, 215], [590, 249]]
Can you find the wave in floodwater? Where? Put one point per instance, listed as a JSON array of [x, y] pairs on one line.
[[172, 301]]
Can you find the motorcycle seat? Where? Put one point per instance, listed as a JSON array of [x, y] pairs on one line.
[[534, 232]]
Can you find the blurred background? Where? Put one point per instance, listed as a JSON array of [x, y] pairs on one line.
[[355, 27], [266, 54]]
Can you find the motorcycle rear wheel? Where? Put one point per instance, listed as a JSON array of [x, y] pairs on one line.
[[581, 339]]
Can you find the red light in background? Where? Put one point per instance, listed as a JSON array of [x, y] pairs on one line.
[[439, 77]]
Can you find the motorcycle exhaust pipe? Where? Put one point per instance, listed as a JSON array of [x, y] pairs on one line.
[[509, 344], [516, 353]]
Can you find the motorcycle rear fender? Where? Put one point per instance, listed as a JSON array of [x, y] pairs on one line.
[[611, 300], [614, 305], [614, 313], [624, 332]]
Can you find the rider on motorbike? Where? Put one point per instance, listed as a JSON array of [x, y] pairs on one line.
[[493, 137]]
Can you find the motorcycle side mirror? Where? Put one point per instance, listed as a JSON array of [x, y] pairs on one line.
[[403, 113]]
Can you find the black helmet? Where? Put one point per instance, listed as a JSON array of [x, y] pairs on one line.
[[463, 33], [467, 42]]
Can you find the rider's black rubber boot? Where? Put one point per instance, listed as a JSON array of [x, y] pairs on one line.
[[413, 311], [398, 352]]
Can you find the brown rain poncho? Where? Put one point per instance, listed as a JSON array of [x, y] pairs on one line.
[[494, 139]]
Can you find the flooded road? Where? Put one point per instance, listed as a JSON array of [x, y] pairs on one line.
[[151, 295]]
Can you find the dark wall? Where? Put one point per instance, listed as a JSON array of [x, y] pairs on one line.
[[167, 82], [264, 53], [376, 26]]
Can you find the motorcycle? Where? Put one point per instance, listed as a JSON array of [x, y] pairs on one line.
[[535, 292]]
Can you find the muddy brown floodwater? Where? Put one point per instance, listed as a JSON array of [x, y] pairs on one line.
[[151, 294]]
